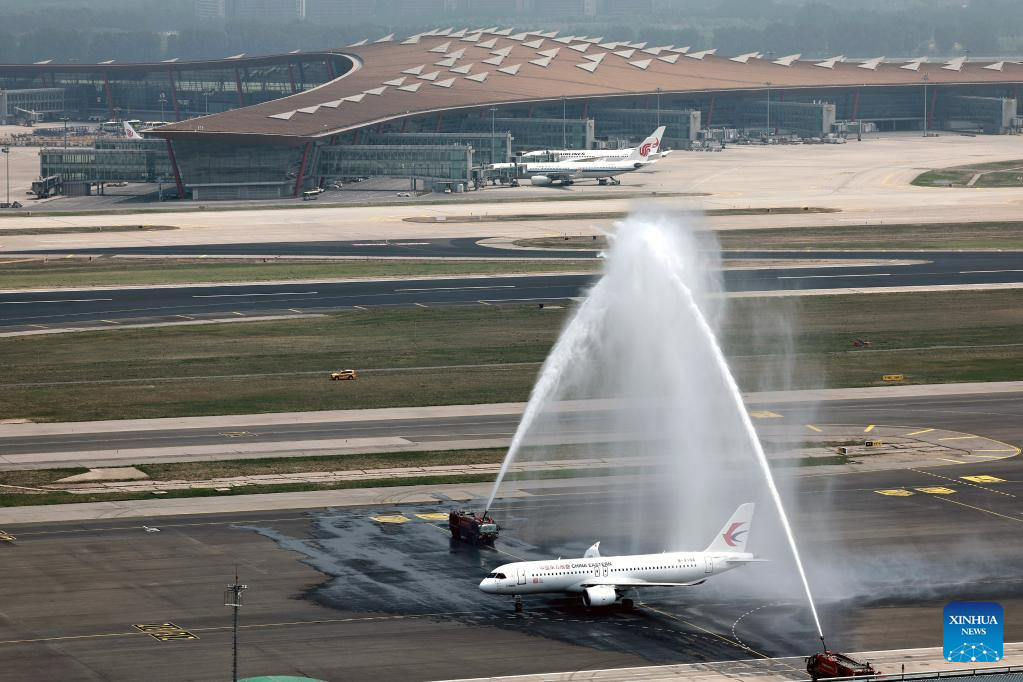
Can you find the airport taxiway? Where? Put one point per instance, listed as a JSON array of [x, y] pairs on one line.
[[111, 306], [334, 593]]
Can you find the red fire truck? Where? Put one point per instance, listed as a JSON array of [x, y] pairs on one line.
[[832, 664], [479, 529]]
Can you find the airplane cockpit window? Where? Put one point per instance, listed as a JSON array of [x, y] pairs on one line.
[[499, 576]]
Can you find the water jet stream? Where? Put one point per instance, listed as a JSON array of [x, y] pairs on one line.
[[630, 341]]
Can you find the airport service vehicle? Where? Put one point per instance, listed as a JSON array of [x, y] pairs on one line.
[[478, 529], [605, 171], [653, 144], [832, 664], [344, 375], [604, 581]]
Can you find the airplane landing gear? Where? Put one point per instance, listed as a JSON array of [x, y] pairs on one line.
[[601, 181], [628, 604], [518, 604], [615, 181]]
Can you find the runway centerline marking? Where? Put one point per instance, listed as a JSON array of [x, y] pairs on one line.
[[276, 293], [496, 286], [984, 272], [63, 300]]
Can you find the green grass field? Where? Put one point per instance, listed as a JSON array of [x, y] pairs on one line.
[[995, 174], [475, 354], [78, 272]]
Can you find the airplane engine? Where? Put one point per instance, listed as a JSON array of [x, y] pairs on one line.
[[540, 180], [600, 595]]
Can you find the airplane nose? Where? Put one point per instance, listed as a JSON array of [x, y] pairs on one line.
[[488, 585]]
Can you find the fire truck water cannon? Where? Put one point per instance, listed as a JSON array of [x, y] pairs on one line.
[[829, 663], [477, 529]]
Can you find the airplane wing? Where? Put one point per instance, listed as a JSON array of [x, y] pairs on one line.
[[635, 582]]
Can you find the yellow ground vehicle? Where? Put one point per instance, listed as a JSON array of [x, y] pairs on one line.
[[344, 375]]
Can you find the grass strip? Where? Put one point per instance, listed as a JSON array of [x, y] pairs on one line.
[[63, 272], [482, 354], [933, 236], [959, 176]]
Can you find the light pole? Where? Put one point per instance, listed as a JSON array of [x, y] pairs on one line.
[[206, 97], [233, 598], [7, 153], [163, 101], [658, 107], [768, 84], [564, 123], [925, 79], [65, 119], [493, 132]]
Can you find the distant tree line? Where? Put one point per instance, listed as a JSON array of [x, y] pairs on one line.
[[148, 31]]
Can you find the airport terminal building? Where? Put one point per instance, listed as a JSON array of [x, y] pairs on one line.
[[437, 105]]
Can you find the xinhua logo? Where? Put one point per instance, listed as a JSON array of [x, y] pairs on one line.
[[972, 632]]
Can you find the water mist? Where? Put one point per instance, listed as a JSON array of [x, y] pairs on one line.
[[643, 344]]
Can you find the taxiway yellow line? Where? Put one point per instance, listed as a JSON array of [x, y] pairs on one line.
[[917, 433], [814, 428], [980, 509], [869, 428]]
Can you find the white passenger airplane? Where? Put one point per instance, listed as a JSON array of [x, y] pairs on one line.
[[651, 143], [603, 581], [567, 172]]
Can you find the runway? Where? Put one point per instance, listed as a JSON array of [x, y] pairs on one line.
[[54, 309]]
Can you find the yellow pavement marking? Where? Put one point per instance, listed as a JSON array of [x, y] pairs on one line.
[[954, 461], [433, 516], [397, 518], [895, 492], [165, 632], [869, 428], [959, 437], [1012, 450], [814, 428], [937, 490], [981, 509], [764, 414], [893, 377], [6, 537], [917, 433], [983, 479]]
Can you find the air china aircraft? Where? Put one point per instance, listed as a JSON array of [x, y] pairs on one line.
[[603, 581], [567, 172], [653, 144], [131, 133]]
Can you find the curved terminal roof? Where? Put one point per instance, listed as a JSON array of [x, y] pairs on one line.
[[436, 71]]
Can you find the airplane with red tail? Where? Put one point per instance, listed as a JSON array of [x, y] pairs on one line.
[[603, 581]]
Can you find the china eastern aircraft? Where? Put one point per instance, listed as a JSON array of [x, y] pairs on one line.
[[603, 581], [651, 143]]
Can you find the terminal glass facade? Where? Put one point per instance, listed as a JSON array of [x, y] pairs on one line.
[[452, 162], [486, 148], [109, 161], [632, 125], [31, 104], [530, 133]]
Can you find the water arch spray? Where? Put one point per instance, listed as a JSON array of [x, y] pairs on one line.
[[644, 339]]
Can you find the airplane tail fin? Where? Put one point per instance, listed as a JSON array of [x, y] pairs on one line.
[[130, 132], [593, 552], [648, 147], [733, 535]]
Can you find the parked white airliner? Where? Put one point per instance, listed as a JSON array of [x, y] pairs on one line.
[[652, 144], [567, 172], [603, 581]]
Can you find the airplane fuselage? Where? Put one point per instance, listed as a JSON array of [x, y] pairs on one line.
[[575, 575]]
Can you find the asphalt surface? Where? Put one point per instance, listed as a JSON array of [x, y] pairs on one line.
[[335, 594], [52, 309], [998, 416]]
